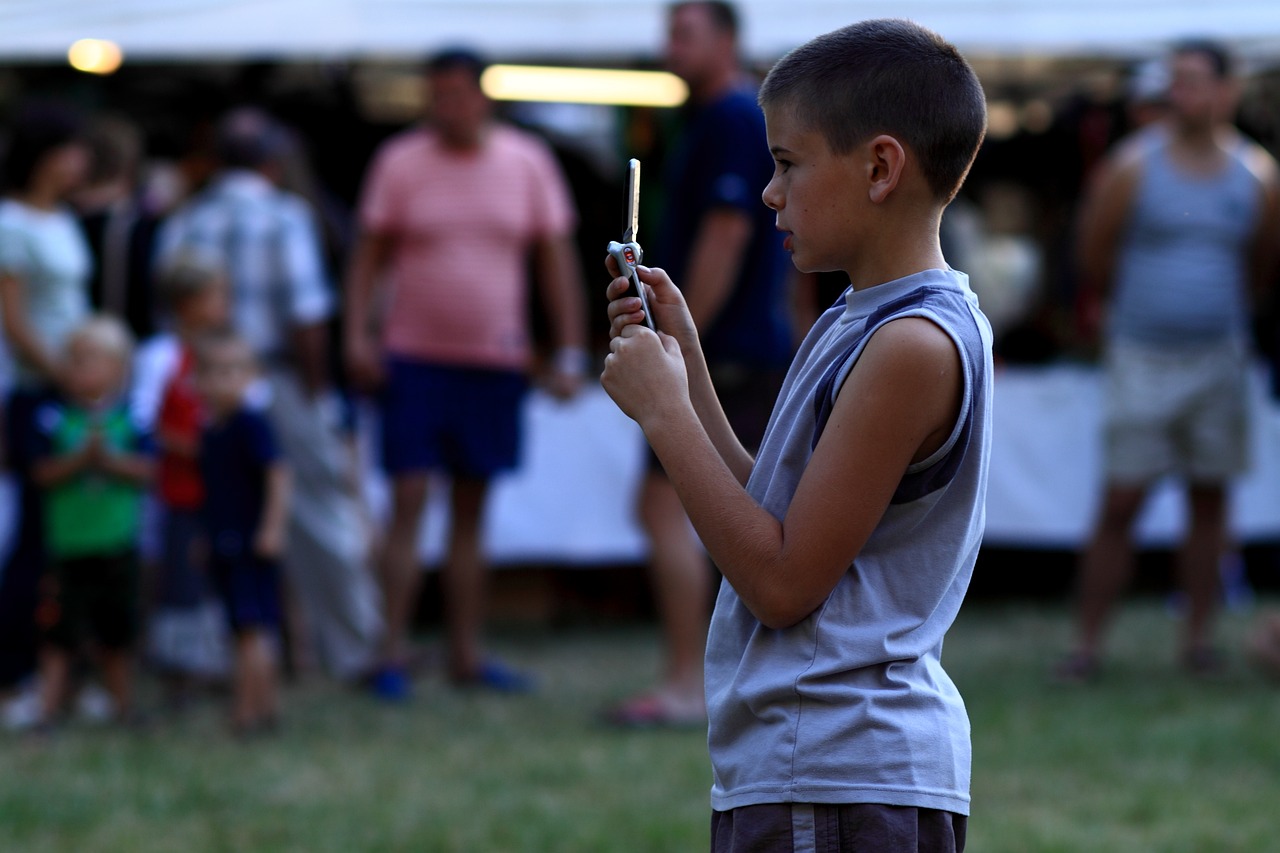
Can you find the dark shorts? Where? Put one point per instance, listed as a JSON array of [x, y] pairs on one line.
[[90, 598], [747, 396], [459, 420], [250, 591], [181, 581], [854, 828]]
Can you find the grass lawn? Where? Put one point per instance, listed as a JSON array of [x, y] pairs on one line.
[[1146, 760]]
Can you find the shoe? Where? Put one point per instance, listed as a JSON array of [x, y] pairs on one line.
[[654, 711], [1077, 668], [391, 684], [498, 677]]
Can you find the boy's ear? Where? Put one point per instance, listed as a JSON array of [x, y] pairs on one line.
[[886, 160]]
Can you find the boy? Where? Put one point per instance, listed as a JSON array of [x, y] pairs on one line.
[[246, 503], [848, 543], [194, 288], [92, 464]]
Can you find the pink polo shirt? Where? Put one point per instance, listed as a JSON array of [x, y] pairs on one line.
[[463, 224]]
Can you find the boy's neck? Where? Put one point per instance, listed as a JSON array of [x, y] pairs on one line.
[[896, 253], [92, 404]]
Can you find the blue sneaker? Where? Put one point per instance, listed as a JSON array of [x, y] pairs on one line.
[[497, 677], [391, 684]]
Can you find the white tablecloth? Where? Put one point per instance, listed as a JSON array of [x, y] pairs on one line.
[[572, 502]]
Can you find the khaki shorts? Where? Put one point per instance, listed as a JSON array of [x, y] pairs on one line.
[[1176, 411]]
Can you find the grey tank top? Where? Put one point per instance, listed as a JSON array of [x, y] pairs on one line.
[[852, 704], [1182, 270]]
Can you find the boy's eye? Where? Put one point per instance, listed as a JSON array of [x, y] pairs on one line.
[[782, 165]]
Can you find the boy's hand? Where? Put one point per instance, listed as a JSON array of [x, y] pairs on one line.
[[95, 452], [645, 373], [269, 542], [665, 300]]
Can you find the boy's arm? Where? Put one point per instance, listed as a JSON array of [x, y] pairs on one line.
[[898, 405], [54, 470], [135, 468], [269, 540], [675, 321]]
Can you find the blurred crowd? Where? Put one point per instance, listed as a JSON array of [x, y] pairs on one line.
[[185, 343]]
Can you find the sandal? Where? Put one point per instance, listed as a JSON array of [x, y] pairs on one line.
[[654, 711]]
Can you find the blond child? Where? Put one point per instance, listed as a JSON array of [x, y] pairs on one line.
[[93, 465]]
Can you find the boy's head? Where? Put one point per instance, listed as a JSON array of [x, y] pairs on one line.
[[97, 359], [225, 368], [194, 287], [888, 77]]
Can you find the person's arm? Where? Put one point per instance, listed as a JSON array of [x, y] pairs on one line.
[[54, 470], [1102, 218], [1264, 249], [673, 318], [18, 333], [310, 298], [360, 350], [310, 345], [715, 261], [559, 276], [132, 466], [269, 540], [898, 405]]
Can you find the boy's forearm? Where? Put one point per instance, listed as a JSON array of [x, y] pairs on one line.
[[706, 403], [56, 470], [743, 539], [131, 467], [275, 510]]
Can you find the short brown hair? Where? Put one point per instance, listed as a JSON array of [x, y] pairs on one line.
[[886, 76]]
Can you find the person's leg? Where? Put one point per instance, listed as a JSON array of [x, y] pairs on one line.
[[55, 667], [242, 683], [118, 678], [401, 572], [682, 590], [1198, 565], [1107, 565], [463, 578], [336, 616]]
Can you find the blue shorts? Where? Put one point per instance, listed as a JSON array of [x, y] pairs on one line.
[[250, 590], [460, 420]]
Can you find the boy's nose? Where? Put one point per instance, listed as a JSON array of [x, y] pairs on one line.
[[771, 199]]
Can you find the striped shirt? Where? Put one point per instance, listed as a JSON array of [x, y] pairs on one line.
[[268, 241], [462, 225]]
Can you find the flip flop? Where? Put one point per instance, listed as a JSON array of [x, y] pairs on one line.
[[652, 711]]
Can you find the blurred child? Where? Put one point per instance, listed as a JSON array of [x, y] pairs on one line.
[[92, 464], [183, 643], [246, 497]]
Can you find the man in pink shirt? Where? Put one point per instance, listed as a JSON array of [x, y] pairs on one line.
[[452, 215]]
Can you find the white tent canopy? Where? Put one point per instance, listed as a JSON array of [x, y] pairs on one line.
[[603, 30]]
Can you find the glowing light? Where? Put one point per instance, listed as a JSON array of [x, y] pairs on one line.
[[95, 56], [584, 86]]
